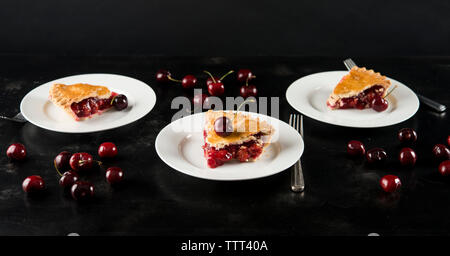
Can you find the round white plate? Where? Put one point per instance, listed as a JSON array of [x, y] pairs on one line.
[[40, 111], [180, 143], [309, 95]]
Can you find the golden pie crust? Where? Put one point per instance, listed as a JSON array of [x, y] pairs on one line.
[[245, 129], [356, 81], [64, 95]]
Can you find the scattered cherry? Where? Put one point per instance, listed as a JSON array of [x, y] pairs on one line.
[[441, 152], [248, 91], [216, 86], [390, 183], [163, 76], [120, 102], [81, 161], [376, 155], [114, 175], [61, 161], [82, 190], [223, 126], [407, 135], [379, 103], [16, 151], [244, 74], [199, 99], [210, 80], [444, 168], [68, 179], [448, 140], [188, 81], [355, 148], [33, 183], [107, 150], [407, 157]]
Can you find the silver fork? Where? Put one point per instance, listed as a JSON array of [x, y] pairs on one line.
[[297, 180], [349, 63], [17, 118]]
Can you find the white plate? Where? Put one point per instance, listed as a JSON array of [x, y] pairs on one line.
[[180, 143], [309, 95], [40, 111]]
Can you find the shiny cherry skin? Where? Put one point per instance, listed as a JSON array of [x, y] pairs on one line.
[[448, 140], [81, 161], [223, 126], [210, 80], [407, 135], [33, 183], [82, 190], [114, 175], [189, 81], [61, 161], [407, 157], [390, 183], [444, 168], [244, 74], [162, 76], [216, 89], [376, 155], [356, 148], [68, 179], [120, 102], [16, 152], [379, 104], [248, 91], [107, 150], [199, 99], [441, 152]]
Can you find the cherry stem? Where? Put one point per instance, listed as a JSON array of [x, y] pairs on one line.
[[229, 72], [173, 79], [390, 91], [56, 167], [245, 101], [112, 100], [214, 80]]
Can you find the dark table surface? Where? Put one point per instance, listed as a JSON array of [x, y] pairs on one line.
[[342, 195]]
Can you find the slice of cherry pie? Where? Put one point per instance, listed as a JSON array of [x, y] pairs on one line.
[[246, 142], [81, 101], [357, 89]]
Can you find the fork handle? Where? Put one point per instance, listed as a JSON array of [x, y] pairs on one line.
[[432, 104], [297, 180]]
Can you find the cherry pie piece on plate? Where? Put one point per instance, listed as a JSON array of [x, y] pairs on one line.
[[247, 141], [81, 101], [357, 89]]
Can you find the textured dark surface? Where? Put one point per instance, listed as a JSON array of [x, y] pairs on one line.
[[342, 195], [226, 28]]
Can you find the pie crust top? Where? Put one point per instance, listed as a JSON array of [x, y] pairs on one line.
[[358, 80], [244, 129], [64, 95]]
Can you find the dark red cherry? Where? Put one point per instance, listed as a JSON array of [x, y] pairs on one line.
[[16, 152], [162, 76], [407, 135], [390, 183], [216, 89], [107, 150], [114, 175], [68, 179], [444, 168], [61, 161], [189, 81], [210, 80], [199, 99], [379, 104], [244, 74], [223, 126], [407, 157], [441, 152], [81, 162], [376, 155], [248, 91], [82, 190], [33, 183], [120, 102], [448, 140], [355, 148]]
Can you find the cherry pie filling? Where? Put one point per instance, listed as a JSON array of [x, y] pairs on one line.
[[91, 106], [361, 101], [243, 152]]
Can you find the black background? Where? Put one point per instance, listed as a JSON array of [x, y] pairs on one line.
[[224, 28]]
